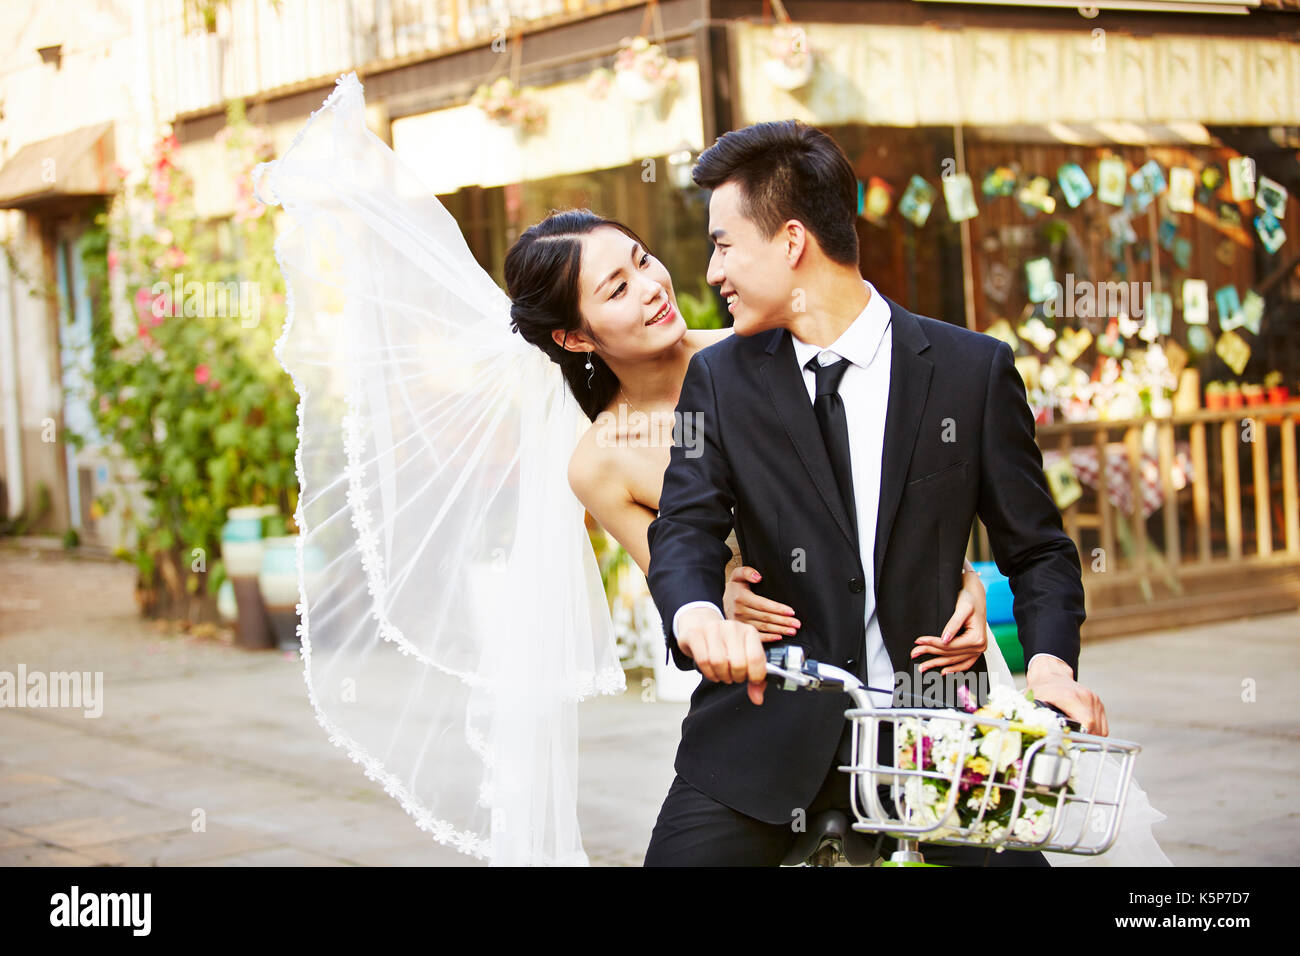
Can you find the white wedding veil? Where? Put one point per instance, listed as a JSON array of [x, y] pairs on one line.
[[451, 608]]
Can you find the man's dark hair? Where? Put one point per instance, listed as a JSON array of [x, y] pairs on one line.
[[789, 170]]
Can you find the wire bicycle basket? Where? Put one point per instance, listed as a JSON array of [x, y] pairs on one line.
[[970, 779], [1023, 782]]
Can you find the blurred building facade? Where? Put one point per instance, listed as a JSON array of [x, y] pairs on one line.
[[908, 87]]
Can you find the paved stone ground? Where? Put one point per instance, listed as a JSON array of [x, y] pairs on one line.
[[194, 722]]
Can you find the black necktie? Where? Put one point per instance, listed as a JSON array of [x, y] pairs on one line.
[[829, 409]]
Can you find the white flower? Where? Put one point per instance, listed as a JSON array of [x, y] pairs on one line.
[[1001, 747]]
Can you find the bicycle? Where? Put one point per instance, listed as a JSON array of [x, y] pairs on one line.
[[884, 795]]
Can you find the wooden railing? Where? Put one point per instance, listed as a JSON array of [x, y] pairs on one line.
[[1191, 499]]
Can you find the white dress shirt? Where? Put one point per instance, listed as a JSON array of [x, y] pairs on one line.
[[864, 389]]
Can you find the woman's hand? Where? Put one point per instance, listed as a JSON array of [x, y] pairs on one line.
[[964, 637], [740, 603]]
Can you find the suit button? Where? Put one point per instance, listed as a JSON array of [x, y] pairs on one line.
[[857, 585]]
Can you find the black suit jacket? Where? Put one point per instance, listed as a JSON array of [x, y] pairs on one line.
[[959, 442]]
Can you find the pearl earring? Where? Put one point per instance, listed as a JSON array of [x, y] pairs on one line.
[[591, 370]]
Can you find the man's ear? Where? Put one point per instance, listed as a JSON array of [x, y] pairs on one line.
[[796, 241]]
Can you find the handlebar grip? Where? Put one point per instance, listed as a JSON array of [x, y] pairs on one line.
[[1069, 721]]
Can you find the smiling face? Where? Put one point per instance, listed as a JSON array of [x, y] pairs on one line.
[[626, 297], [753, 273]]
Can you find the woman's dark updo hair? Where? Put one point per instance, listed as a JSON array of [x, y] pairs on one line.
[[541, 273]]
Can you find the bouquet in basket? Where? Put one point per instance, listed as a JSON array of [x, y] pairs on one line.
[[978, 804]]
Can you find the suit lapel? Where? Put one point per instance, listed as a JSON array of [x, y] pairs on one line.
[[785, 385], [909, 384]]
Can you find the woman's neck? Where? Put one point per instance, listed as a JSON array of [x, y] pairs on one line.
[[653, 382]]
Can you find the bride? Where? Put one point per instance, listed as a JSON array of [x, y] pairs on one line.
[[451, 608]]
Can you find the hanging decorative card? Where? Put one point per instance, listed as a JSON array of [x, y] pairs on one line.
[[1241, 178], [1161, 306], [1148, 183], [1226, 252], [999, 181], [1234, 351], [1271, 197], [1036, 195], [1063, 482], [1270, 232], [1207, 184], [1039, 278], [1029, 368], [1166, 232], [917, 201], [1198, 339], [1072, 343], [1074, 184], [1111, 344], [1121, 227], [1037, 333], [1110, 181], [1229, 306], [959, 194], [1229, 215], [1176, 356], [997, 282], [1196, 302], [1252, 311], [1182, 185], [878, 201], [1003, 332], [1183, 252]]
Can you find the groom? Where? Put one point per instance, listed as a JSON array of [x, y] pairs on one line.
[[851, 444]]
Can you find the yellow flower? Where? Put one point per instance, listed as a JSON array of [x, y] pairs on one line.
[[979, 765], [977, 798]]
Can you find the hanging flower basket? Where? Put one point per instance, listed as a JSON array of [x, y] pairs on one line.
[[642, 70], [789, 63], [507, 104]]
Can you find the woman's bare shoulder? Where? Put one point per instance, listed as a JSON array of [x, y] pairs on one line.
[[703, 338], [592, 461]]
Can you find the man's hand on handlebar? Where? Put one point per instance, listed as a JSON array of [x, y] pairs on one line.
[[726, 652], [1053, 682]]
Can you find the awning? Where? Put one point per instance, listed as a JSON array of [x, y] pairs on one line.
[[79, 163], [978, 76]]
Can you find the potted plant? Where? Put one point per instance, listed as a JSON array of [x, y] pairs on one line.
[[1232, 395], [1215, 396], [642, 70], [789, 63], [1277, 392], [507, 104], [1253, 393]]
